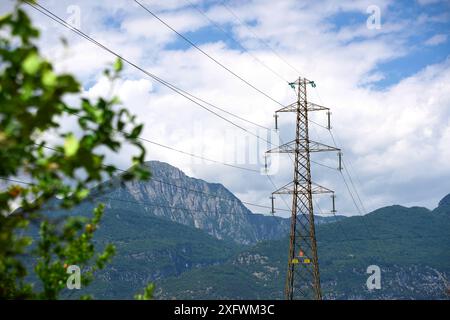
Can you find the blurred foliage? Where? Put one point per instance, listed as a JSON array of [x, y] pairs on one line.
[[148, 293], [32, 105]]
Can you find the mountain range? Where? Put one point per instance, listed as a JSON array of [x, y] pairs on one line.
[[196, 240], [174, 196]]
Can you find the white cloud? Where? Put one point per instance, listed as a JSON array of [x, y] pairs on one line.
[[149, 28], [436, 40]]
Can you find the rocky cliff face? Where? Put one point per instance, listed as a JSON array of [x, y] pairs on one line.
[[172, 195]]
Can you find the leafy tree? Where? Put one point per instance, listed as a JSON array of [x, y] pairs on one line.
[[32, 104]]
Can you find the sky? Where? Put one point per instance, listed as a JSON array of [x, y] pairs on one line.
[[383, 68]]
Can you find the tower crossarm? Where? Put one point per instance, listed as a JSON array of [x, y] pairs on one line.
[[302, 188], [316, 107], [320, 147], [294, 106], [304, 146]]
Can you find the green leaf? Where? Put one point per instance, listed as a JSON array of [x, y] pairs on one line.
[[148, 293], [49, 78], [5, 18], [83, 193], [71, 145], [118, 65], [32, 63], [136, 131]]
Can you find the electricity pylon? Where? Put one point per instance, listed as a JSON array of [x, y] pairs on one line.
[[303, 278]]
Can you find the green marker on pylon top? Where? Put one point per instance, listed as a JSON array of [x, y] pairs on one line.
[[292, 84], [312, 84]]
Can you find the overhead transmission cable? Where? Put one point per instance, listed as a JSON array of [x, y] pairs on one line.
[[180, 187], [197, 156], [144, 203], [187, 209], [206, 54], [337, 225], [183, 93], [177, 90], [362, 211], [247, 51], [155, 204], [238, 43], [231, 37], [328, 129], [266, 44], [167, 84], [218, 162]]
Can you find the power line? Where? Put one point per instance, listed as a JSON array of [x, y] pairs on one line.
[[206, 54], [206, 159], [334, 143], [222, 163], [152, 204], [338, 226], [353, 198], [318, 124], [323, 165], [208, 194], [16, 181], [230, 165], [259, 38], [197, 156], [353, 185], [226, 111], [349, 190], [354, 171], [351, 181], [276, 188], [246, 50], [349, 176], [189, 189], [399, 237], [193, 190], [183, 93], [351, 194], [185, 153], [229, 36], [167, 84], [212, 195], [145, 203]]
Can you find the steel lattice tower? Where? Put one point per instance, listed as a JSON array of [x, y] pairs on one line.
[[303, 277]]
